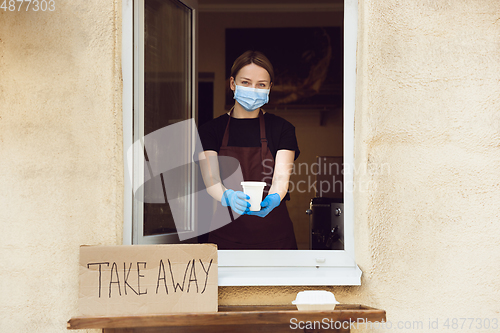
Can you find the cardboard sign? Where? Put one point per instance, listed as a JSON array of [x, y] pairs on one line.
[[148, 279]]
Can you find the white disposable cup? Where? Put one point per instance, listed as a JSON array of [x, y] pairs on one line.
[[254, 190]]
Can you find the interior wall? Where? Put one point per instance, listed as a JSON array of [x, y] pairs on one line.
[[61, 156], [313, 139]]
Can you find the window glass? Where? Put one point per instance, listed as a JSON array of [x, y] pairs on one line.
[[167, 100]]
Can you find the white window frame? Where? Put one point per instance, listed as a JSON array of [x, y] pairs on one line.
[[138, 128], [270, 267]]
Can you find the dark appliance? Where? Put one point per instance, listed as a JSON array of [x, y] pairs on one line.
[[326, 224]]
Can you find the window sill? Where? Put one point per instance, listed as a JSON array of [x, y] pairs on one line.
[[288, 268], [289, 276]]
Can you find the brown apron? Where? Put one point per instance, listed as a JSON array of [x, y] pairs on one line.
[[275, 231]]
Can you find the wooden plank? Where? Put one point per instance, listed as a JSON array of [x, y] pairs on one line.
[[218, 329], [229, 308], [232, 316]]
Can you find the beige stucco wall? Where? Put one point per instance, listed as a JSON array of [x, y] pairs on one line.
[[61, 165], [427, 106]]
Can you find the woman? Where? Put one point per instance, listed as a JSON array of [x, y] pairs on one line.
[[265, 147]]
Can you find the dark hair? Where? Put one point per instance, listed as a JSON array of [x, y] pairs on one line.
[[252, 57]]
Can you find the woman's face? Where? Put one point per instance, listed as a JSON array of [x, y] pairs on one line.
[[251, 76]]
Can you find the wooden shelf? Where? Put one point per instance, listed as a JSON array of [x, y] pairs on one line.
[[240, 319]]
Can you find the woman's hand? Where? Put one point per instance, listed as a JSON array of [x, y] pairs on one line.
[[236, 200], [268, 204]]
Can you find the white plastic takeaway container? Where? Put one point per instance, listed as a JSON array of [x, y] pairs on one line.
[[315, 300]]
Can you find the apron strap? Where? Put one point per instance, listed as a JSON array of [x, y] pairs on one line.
[[263, 139], [225, 138]]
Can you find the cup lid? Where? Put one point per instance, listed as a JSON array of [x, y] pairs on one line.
[[253, 183]]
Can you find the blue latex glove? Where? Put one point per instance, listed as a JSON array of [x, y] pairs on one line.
[[237, 201], [268, 204]]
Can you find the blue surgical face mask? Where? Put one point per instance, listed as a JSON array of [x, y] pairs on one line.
[[251, 98]]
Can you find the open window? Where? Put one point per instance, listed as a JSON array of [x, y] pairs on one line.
[[160, 89]]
